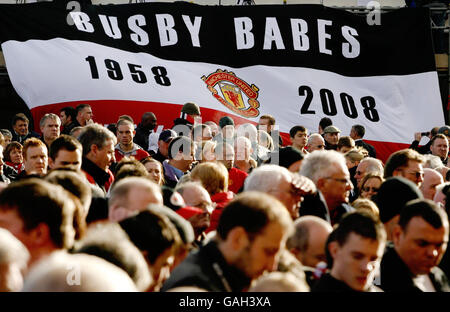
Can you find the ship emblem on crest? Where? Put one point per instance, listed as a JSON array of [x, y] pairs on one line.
[[234, 91]]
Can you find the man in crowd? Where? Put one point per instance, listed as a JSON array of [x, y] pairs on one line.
[[143, 130], [35, 158], [84, 115], [126, 146], [164, 140], [356, 249], [368, 165], [328, 171], [224, 153], [357, 133], [439, 147], [65, 152], [299, 138], [431, 179], [181, 156], [130, 195], [98, 154], [315, 143], [68, 116], [20, 131], [282, 184], [425, 149], [40, 215], [420, 240], [267, 123], [50, 127], [406, 163], [253, 228], [323, 123], [331, 136]]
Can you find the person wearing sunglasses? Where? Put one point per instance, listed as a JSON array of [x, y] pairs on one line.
[[406, 163], [370, 185]]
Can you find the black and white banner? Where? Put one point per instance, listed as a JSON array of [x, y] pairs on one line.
[[298, 63]]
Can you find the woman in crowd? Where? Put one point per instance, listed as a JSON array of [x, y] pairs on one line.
[[154, 169]]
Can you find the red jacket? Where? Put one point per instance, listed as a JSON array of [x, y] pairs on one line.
[[221, 200], [236, 178]]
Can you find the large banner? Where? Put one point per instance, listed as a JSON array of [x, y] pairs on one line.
[[298, 63]]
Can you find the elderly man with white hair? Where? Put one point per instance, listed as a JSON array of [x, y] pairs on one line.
[[328, 170], [279, 182]]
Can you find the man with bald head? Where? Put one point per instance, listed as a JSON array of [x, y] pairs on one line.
[[431, 179], [132, 195], [307, 243], [315, 142], [368, 165], [143, 130]]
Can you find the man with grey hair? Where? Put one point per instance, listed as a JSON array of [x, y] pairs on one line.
[[50, 125], [328, 170], [132, 195], [13, 260], [279, 182], [98, 154], [315, 142]]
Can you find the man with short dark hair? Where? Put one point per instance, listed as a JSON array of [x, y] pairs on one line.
[[323, 123], [20, 132], [39, 214], [68, 116], [420, 240], [84, 115], [253, 228], [98, 154], [181, 153], [267, 123], [126, 146], [143, 130], [356, 250], [65, 152], [406, 163], [439, 147], [357, 133], [299, 138]]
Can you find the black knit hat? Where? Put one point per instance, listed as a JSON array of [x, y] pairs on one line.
[[289, 155], [393, 194], [226, 121]]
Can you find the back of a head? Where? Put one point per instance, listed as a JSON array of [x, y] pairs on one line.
[[325, 122], [62, 272], [302, 228], [393, 194], [266, 178], [13, 254], [289, 155], [110, 242], [373, 165], [151, 232], [360, 130], [319, 164], [278, 282], [212, 175], [63, 142], [37, 201], [253, 211]]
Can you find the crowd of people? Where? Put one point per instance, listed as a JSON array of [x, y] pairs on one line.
[[213, 206]]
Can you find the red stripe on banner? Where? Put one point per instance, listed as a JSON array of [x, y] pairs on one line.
[[108, 111]]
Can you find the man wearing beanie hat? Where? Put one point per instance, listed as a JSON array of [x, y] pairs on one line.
[[393, 194], [226, 133], [189, 112]]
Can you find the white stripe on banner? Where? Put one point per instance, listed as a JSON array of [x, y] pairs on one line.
[[391, 108]]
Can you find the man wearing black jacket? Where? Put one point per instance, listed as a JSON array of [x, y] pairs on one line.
[[419, 242]]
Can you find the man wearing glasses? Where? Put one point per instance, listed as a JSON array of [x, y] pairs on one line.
[[406, 163], [327, 169]]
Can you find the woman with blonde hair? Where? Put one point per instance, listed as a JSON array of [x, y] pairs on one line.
[[214, 178], [154, 169]]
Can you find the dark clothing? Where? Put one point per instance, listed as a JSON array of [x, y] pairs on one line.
[[328, 283], [206, 268], [395, 275], [368, 147], [69, 127], [141, 137], [328, 146], [10, 172], [20, 138], [338, 212], [159, 157], [96, 175], [5, 179], [425, 149]]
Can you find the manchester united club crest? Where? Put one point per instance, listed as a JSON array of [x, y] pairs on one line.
[[233, 92]]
